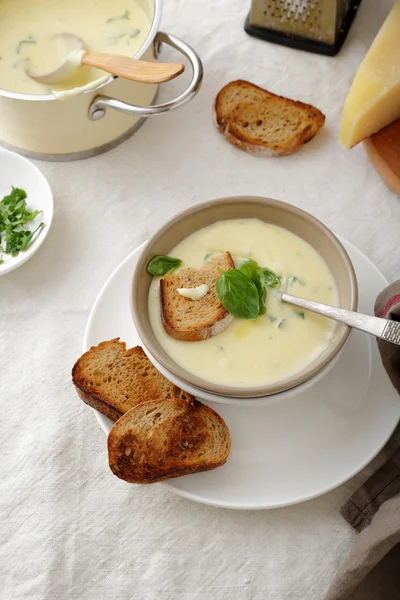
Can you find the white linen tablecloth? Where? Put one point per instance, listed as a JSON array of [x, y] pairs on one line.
[[70, 529]]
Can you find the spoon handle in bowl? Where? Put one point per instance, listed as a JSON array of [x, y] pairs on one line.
[[382, 328], [131, 68]]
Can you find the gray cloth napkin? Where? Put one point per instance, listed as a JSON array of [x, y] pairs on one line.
[[372, 570]]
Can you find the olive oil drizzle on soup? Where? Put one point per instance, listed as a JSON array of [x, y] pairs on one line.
[[275, 346], [28, 27]]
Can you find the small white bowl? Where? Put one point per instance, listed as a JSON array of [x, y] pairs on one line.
[[20, 172]]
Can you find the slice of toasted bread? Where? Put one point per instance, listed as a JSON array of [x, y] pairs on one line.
[[263, 124], [194, 320], [112, 379], [161, 440]]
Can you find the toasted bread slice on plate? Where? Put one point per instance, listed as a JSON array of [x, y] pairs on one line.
[[113, 380], [162, 440], [194, 320], [262, 123]]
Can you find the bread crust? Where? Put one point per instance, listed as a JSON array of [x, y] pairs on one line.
[[137, 455], [247, 142], [93, 393], [99, 404], [205, 329]]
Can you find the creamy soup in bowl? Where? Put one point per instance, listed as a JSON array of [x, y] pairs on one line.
[[273, 346], [277, 350], [29, 39]]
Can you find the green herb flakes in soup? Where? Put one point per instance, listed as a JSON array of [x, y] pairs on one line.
[[28, 37], [269, 340]]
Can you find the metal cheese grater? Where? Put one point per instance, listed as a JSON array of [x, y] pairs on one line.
[[315, 25]]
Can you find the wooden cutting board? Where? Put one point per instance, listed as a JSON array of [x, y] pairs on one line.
[[383, 150]]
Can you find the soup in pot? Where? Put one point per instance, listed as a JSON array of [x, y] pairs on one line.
[[28, 37]]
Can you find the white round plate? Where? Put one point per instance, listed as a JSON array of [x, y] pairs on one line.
[[289, 451], [18, 171]]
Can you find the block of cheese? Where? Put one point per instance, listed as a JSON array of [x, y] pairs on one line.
[[374, 97]]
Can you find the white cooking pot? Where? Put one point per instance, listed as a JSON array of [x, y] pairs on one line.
[[98, 119]]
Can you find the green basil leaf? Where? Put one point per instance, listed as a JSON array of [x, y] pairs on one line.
[[270, 278], [161, 265], [250, 268], [253, 271], [262, 295], [238, 294]]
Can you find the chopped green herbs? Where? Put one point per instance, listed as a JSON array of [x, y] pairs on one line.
[[272, 318], [280, 324], [238, 294], [125, 17], [18, 241], [300, 314], [292, 279], [161, 265], [14, 216], [29, 40], [130, 35], [270, 278]]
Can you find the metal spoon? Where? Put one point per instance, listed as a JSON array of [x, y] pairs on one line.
[[122, 66], [383, 328]]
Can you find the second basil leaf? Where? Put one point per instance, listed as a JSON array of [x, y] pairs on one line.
[[253, 271]]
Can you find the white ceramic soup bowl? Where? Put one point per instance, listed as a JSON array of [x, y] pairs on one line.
[[271, 211]]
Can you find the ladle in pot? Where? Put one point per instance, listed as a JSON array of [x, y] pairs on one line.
[[121, 66]]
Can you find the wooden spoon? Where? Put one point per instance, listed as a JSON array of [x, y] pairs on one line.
[[121, 66]]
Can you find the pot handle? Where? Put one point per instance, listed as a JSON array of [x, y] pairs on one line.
[[100, 104]]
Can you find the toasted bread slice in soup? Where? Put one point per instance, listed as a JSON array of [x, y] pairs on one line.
[[194, 320], [262, 123], [113, 380], [161, 440]]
